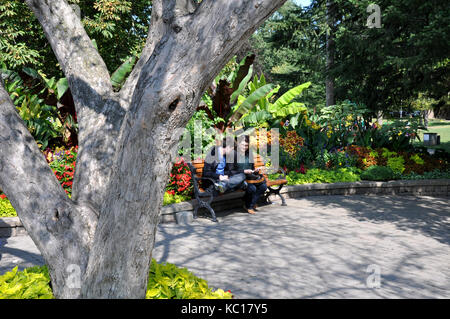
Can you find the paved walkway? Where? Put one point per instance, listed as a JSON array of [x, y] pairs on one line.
[[317, 247]]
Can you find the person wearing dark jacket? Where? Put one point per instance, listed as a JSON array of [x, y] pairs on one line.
[[225, 175], [247, 166]]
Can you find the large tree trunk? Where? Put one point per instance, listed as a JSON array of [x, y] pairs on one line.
[[330, 48], [105, 234]]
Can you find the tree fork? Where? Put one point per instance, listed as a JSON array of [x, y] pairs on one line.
[[126, 140]]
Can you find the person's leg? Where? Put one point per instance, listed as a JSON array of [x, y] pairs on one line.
[[249, 194], [235, 182], [259, 190]]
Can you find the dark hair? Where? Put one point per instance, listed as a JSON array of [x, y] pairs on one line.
[[246, 139]]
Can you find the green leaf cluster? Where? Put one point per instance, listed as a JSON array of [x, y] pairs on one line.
[[378, 173], [166, 281], [316, 175], [32, 283], [175, 198], [6, 209]]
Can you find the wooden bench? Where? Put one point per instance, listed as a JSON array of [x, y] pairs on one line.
[[205, 197]]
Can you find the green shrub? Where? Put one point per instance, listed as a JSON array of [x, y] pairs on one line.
[[436, 174], [397, 164], [32, 283], [6, 209], [166, 281], [174, 198], [315, 175], [417, 159], [378, 173]]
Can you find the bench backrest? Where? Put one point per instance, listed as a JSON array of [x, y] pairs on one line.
[[199, 164]]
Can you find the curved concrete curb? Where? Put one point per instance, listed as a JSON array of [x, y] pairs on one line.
[[12, 226]]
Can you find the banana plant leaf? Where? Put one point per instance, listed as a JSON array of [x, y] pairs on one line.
[[257, 117], [120, 75], [242, 85], [287, 97], [61, 87], [249, 103], [286, 110]]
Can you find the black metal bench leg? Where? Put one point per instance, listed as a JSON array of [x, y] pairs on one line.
[[208, 207], [283, 201], [195, 212], [277, 192]]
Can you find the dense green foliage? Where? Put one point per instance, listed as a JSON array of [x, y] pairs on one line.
[[316, 175], [31, 283], [119, 28], [166, 281], [386, 68], [6, 209], [378, 173]]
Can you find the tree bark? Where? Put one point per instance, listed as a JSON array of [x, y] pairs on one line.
[[330, 48], [127, 140]]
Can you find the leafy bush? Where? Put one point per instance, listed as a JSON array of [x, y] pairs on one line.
[[378, 173], [315, 175], [175, 198], [397, 164], [32, 283], [63, 165], [166, 281], [6, 209], [339, 158], [436, 174], [180, 179]]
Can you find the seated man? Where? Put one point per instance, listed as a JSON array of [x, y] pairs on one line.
[[246, 165], [224, 174]]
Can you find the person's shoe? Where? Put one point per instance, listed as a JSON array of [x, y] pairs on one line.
[[249, 210], [255, 208], [219, 187]]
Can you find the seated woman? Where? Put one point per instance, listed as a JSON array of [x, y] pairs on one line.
[[244, 165], [224, 174]]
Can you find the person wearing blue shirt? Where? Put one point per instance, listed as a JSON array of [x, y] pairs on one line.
[[224, 174]]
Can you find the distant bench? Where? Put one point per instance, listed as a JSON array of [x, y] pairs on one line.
[[205, 197]]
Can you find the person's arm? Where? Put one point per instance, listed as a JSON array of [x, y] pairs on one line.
[[209, 170]]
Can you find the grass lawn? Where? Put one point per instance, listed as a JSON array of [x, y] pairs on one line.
[[442, 127]]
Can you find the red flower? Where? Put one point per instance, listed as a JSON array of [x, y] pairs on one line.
[[2, 196]]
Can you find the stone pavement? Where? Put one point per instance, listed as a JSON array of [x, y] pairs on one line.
[[316, 247]]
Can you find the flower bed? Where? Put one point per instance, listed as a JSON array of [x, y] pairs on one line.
[[166, 281]]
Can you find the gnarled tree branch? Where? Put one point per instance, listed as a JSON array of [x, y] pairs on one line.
[[99, 112], [62, 229]]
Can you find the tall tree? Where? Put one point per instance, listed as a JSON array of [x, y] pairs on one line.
[[385, 67], [105, 233], [291, 45], [331, 26]]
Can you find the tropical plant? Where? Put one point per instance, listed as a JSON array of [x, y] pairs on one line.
[[165, 281], [227, 86], [265, 112]]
